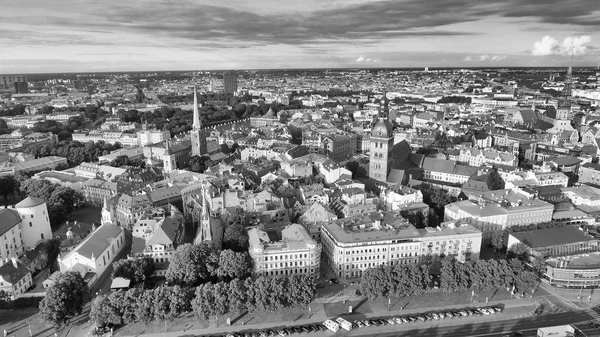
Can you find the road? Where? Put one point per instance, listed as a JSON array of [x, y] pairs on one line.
[[456, 328]]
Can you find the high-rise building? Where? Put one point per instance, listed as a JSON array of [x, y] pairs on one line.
[[197, 134], [382, 142], [230, 83], [20, 87]]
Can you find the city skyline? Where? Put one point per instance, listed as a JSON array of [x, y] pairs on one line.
[[72, 36]]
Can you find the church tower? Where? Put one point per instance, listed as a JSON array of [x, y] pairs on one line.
[[169, 158], [197, 135], [106, 214], [204, 232], [382, 142], [563, 112]]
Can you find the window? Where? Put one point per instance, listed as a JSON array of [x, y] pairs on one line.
[[42, 236], [32, 216]]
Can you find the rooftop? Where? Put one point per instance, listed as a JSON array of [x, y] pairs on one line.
[[372, 227], [98, 241], [30, 202], [9, 218], [549, 237]]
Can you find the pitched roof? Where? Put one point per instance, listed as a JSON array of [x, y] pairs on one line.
[[11, 274], [8, 219], [97, 242]]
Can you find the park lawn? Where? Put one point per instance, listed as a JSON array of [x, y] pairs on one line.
[[15, 323], [340, 308], [437, 299]]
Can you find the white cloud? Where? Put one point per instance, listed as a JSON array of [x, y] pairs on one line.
[[366, 59], [360, 59], [482, 58], [571, 44]]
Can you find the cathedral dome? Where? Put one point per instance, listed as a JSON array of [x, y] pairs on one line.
[[382, 129]]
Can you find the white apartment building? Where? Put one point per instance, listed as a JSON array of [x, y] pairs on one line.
[[352, 245], [500, 209], [149, 137], [296, 253], [15, 278], [478, 157], [23, 226], [397, 196], [12, 243]]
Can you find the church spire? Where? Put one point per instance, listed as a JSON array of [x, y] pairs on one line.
[[568, 79], [384, 108], [197, 124]]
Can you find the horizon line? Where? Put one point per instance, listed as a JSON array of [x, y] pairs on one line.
[[297, 69]]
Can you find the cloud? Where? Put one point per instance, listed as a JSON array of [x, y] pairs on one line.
[[572, 44], [360, 59], [482, 58]]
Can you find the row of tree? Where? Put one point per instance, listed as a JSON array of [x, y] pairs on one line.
[[209, 299], [406, 280], [75, 152], [397, 280], [192, 265], [510, 274]]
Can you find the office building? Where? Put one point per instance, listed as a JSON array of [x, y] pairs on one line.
[[294, 253], [230, 83], [352, 245]]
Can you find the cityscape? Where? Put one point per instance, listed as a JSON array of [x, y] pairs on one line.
[[366, 168]]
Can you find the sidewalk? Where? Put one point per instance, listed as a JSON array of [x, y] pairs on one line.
[[319, 315]]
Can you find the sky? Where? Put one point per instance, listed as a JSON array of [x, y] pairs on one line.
[[145, 35]]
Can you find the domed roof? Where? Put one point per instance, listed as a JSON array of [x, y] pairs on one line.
[[382, 129], [30, 202]]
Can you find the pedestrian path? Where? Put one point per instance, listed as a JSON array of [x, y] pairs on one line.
[[593, 313]]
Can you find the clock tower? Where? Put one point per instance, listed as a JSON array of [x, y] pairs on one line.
[[382, 142]]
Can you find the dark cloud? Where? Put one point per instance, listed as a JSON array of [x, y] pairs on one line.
[[576, 12], [236, 28]]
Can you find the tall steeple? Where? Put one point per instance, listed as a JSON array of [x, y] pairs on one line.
[[197, 125], [384, 109], [568, 80]]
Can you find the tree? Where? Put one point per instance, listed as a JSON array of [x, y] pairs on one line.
[[235, 237], [234, 264], [64, 299], [519, 250], [104, 313], [51, 248], [192, 264], [353, 166], [500, 239], [137, 271]]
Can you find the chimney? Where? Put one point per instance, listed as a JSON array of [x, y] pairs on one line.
[[14, 262]]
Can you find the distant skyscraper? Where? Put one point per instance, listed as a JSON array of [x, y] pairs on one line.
[[230, 84], [198, 136], [20, 87]]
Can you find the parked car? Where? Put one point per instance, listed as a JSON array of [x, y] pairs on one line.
[[497, 309], [391, 321], [421, 318], [359, 324], [282, 333], [398, 320]]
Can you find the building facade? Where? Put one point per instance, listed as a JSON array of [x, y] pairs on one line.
[[352, 245], [297, 253]]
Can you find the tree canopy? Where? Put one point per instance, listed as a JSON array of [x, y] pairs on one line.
[[65, 299]]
